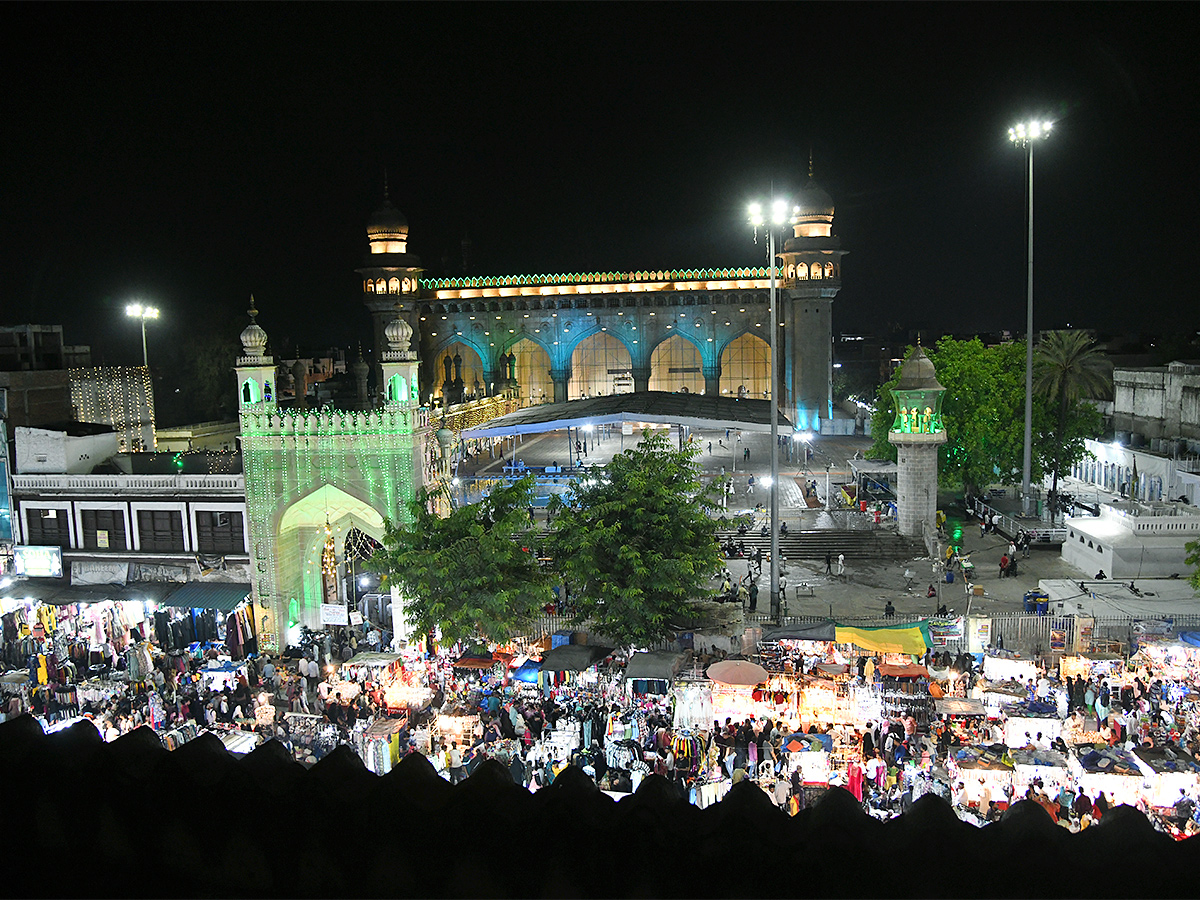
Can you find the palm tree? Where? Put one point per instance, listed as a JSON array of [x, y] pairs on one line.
[[1068, 366]]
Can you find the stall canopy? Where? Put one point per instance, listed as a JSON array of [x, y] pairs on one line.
[[223, 596], [1110, 760], [1046, 758], [662, 665], [527, 672], [737, 672], [958, 706], [57, 592], [473, 662], [573, 657], [909, 671], [1191, 638], [912, 638], [820, 631], [373, 658]]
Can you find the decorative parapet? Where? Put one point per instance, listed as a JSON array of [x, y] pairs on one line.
[[473, 414], [328, 421], [661, 275]]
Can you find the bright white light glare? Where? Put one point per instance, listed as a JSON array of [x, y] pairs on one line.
[[779, 212], [363, 581], [756, 216], [808, 436], [5, 582], [765, 481], [796, 437], [587, 428], [141, 312], [1031, 131], [454, 481]]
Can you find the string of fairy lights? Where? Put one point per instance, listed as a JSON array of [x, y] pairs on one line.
[[121, 396]]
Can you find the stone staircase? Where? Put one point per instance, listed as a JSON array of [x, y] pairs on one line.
[[858, 545]]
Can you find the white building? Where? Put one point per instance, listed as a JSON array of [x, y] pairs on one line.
[[1139, 474], [1132, 540]]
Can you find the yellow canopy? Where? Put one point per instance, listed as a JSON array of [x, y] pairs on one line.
[[901, 639]]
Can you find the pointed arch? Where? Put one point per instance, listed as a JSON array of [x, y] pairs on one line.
[[676, 365], [746, 366], [601, 364]]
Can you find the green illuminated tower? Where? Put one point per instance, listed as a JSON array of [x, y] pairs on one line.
[[917, 432], [303, 468]]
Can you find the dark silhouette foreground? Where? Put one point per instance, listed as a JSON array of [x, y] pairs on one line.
[[132, 819]]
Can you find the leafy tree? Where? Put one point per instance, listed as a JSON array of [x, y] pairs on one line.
[[467, 573], [1069, 366], [982, 408], [638, 543], [1193, 560]]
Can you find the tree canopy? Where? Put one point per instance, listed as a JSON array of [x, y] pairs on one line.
[[637, 542], [468, 573], [1193, 560]]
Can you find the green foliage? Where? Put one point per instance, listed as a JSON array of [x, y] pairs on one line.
[[638, 542], [199, 384], [983, 411], [468, 572], [1193, 560]]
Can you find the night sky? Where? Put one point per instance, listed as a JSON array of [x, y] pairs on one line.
[[188, 155]]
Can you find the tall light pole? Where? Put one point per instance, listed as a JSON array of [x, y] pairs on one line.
[[779, 215], [137, 311], [1024, 135]]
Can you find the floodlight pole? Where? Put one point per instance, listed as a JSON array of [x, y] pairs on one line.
[[774, 432]]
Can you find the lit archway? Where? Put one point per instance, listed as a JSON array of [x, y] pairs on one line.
[[675, 366], [600, 365], [533, 371], [301, 544], [472, 369], [746, 368]]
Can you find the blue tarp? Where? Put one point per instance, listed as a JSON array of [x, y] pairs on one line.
[[1191, 638], [528, 672]]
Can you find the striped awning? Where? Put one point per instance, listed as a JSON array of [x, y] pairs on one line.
[[219, 595]]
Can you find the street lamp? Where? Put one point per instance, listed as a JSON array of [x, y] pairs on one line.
[[587, 433], [1025, 135], [137, 311], [778, 216]]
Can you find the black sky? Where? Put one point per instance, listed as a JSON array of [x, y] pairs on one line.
[[191, 154]]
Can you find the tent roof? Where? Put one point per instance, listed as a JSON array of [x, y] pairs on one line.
[[372, 658], [660, 664], [222, 595], [640, 408], [573, 657], [1050, 758], [57, 592], [819, 631]]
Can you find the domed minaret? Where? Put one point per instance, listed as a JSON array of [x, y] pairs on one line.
[[917, 432], [399, 365], [255, 370], [390, 275], [811, 268]]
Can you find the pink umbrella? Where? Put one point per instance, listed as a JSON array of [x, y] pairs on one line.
[[736, 672]]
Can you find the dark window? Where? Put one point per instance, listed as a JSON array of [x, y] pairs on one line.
[[111, 521], [219, 532], [49, 528], [160, 530]]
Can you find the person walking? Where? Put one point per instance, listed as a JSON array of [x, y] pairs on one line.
[[828, 563], [841, 569], [746, 454]]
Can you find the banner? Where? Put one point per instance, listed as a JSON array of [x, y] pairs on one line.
[[912, 639], [333, 614], [84, 572], [942, 631]]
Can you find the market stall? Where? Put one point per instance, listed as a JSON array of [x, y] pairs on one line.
[[1028, 718], [693, 705], [984, 772], [1118, 773], [1045, 766], [311, 736], [1001, 669], [810, 754], [652, 672], [382, 743], [1091, 665], [1172, 770]]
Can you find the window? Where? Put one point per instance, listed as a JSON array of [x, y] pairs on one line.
[[828, 270], [802, 271], [103, 529], [49, 528], [219, 532], [160, 530]]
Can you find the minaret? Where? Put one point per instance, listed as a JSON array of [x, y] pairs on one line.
[[390, 273], [811, 270], [255, 371], [917, 432]]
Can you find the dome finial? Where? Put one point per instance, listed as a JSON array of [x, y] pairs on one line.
[[252, 312], [810, 174]]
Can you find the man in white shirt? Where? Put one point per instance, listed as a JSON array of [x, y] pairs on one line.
[[457, 773], [323, 692]]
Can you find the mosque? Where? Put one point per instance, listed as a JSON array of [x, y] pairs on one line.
[[563, 337]]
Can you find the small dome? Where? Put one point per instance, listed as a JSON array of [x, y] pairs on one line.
[[254, 339], [813, 200], [387, 229], [398, 333], [918, 373]]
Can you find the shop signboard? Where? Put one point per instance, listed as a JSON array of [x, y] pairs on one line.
[[1058, 640], [941, 631], [356, 618], [38, 562], [980, 634], [333, 614]]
